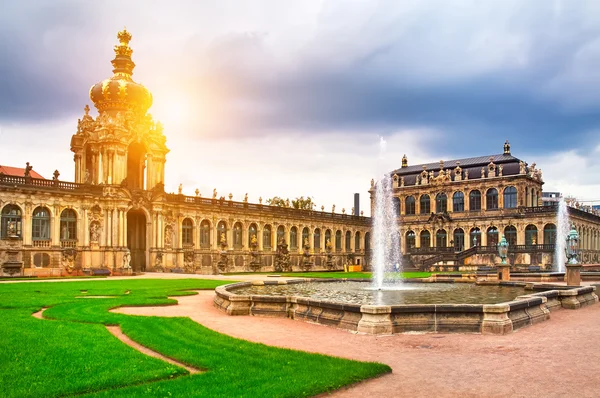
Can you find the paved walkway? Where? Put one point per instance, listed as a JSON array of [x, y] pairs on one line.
[[556, 358]]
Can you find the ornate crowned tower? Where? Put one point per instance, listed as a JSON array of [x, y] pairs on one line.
[[122, 145]]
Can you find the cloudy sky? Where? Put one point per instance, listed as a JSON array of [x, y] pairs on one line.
[[291, 98]]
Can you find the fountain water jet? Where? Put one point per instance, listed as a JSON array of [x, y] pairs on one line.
[[562, 229], [386, 238]]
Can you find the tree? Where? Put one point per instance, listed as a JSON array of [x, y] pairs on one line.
[[303, 204], [298, 203], [276, 201]]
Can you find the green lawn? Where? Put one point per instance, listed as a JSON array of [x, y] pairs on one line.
[[73, 353]]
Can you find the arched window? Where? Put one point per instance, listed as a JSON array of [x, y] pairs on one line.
[[409, 205], [237, 235], [40, 224], [267, 237], [252, 234], [205, 234], [187, 232], [348, 242], [280, 234], [459, 239], [317, 239], [357, 242], [510, 233], [458, 202], [305, 235], [396, 202], [328, 237], [441, 203], [475, 200], [475, 237], [441, 238], [492, 236], [491, 199], [549, 234], [510, 197], [425, 239], [11, 221], [367, 242], [531, 235], [68, 225], [338, 240], [294, 238], [425, 204], [410, 240]]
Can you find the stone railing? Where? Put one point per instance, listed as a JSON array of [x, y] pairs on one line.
[[9, 180], [270, 210], [42, 243]]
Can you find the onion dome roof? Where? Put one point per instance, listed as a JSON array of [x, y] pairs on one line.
[[120, 92]]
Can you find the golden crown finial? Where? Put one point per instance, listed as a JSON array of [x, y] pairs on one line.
[[124, 36]]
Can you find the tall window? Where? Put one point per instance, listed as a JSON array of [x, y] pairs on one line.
[[409, 204], [11, 221], [491, 199], [410, 240], [425, 204], [510, 233], [459, 239], [441, 238], [549, 234], [280, 234], [531, 235], [425, 239], [252, 233], [492, 236], [475, 200], [338, 240], [68, 225], [510, 197], [40, 224], [396, 203], [441, 203], [475, 237], [348, 242], [357, 241], [267, 237], [294, 238], [328, 236], [305, 234], [237, 235], [187, 232], [367, 242], [458, 202], [205, 234], [317, 239]]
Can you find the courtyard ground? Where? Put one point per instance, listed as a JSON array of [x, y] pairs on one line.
[[556, 358]]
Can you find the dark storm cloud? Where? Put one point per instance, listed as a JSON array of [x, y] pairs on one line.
[[478, 71]]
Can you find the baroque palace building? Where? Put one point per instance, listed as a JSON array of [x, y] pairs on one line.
[[116, 217], [453, 213]]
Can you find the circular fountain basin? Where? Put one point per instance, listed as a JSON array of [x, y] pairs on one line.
[[363, 293], [497, 308]]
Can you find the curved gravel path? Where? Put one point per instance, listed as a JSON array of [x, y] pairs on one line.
[[556, 358]]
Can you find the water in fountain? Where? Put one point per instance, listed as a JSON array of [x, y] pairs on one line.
[[385, 238], [562, 229]]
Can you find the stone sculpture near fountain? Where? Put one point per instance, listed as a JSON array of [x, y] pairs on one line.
[[328, 248], [255, 259], [282, 257], [222, 263], [306, 263]]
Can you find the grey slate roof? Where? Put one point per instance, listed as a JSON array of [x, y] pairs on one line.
[[480, 161]]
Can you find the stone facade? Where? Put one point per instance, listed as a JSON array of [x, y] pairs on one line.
[[452, 214], [117, 217]]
